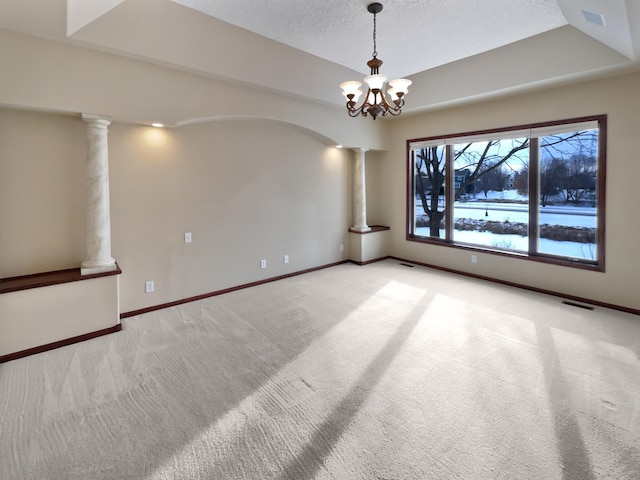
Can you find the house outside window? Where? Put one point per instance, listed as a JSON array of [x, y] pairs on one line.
[[534, 191]]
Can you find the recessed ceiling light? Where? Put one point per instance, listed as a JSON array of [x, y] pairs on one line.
[[339, 146], [157, 125], [593, 17]]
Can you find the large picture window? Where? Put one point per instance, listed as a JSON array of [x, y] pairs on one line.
[[534, 191]]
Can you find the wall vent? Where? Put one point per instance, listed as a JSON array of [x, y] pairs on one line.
[[593, 17], [579, 305]]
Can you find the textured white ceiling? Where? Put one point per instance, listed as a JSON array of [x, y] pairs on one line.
[[454, 51], [412, 35]]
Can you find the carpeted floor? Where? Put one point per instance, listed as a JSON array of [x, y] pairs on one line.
[[382, 372]]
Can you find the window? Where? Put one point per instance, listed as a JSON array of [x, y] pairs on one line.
[[533, 191]]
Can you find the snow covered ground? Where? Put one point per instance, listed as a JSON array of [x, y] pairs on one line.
[[517, 213], [516, 242], [479, 209]]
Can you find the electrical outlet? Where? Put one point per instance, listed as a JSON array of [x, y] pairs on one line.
[[474, 259], [187, 237], [263, 263], [341, 248], [149, 286], [286, 259]]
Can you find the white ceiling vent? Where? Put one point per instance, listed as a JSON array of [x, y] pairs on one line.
[[592, 17]]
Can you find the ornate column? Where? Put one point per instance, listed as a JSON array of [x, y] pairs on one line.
[[98, 218], [360, 192]]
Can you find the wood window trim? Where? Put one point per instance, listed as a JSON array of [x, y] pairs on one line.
[[598, 265]]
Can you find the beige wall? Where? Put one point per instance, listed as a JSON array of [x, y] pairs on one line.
[[373, 165], [39, 316], [42, 191], [252, 189], [618, 98], [55, 76], [251, 173], [246, 190]]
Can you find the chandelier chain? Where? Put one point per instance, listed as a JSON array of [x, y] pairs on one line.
[[375, 50]]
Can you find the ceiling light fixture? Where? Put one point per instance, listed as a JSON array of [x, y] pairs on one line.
[[375, 101]]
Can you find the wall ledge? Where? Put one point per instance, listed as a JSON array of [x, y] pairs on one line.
[[45, 279], [374, 229]]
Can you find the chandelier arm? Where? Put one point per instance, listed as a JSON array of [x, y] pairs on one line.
[[394, 108], [385, 103], [362, 109], [388, 108], [384, 107], [380, 105], [354, 112]]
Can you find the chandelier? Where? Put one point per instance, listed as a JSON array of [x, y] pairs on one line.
[[375, 101]]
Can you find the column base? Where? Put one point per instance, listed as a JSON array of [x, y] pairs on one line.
[[366, 247], [360, 229], [90, 267]]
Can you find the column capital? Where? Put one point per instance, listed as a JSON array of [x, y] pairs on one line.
[[100, 120], [360, 150]]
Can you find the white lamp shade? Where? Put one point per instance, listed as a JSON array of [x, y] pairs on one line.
[[375, 81], [393, 93], [351, 87], [400, 85]]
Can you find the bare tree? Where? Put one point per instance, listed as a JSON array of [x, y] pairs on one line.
[[430, 166], [581, 171], [521, 181], [553, 174], [430, 173], [488, 161], [577, 151], [492, 178]]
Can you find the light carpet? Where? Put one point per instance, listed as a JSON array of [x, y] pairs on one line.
[[381, 372]]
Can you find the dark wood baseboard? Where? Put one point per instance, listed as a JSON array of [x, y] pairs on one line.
[[117, 328], [524, 287], [226, 290], [59, 343], [435, 267], [368, 261]]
